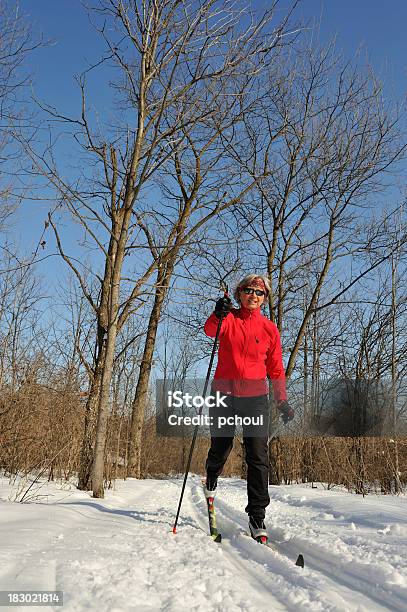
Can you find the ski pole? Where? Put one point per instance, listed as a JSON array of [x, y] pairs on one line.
[[191, 450]]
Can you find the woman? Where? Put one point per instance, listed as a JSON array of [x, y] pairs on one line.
[[249, 351]]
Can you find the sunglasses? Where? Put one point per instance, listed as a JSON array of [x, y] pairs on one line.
[[250, 291]]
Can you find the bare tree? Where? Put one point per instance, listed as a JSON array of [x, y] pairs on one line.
[[20, 304], [339, 143], [16, 43], [170, 58]]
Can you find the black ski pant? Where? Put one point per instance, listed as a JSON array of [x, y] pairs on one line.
[[255, 439]]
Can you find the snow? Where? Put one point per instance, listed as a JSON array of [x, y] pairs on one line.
[[120, 554]]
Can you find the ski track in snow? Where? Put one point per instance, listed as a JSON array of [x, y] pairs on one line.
[[119, 553], [351, 584]]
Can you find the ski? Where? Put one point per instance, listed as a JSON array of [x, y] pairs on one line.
[[263, 541], [215, 535], [213, 529]]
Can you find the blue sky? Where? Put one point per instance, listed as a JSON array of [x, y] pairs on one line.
[[375, 25]]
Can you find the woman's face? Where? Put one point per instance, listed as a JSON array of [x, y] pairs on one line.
[[251, 300]]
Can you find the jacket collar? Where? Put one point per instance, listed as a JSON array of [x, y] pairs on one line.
[[245, 313]]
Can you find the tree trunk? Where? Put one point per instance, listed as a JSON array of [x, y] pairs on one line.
[[103, 415], [86, 460], [109, 329], [274, 457], [140, 398]]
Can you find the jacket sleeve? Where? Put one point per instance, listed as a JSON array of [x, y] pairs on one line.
[[211, 325], [274, 365]]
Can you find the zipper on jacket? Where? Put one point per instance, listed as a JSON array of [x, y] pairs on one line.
[[247, 345]]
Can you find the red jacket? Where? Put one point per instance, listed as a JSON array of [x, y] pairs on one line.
[[249, 351]]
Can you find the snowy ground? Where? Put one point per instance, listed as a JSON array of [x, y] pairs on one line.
[[119, 553]]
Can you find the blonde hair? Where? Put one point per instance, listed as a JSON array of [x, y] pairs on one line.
[[247, 280]]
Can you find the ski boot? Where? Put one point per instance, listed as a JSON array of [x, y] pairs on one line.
[[258, 530], [209, 488]]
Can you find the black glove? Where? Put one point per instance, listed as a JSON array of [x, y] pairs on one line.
[[223, 307], [287, 413]]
